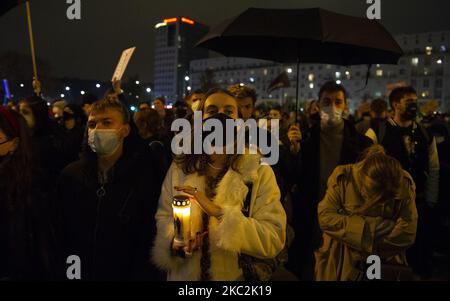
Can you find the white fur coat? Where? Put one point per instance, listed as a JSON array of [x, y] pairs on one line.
[[261, 235]]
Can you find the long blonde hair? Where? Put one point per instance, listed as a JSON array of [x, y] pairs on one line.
[[382, 174]]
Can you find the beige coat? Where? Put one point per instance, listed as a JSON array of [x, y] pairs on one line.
[[349, 238], [261, 235]]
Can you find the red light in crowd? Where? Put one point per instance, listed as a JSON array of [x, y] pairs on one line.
[[171, 20], [188, 21]]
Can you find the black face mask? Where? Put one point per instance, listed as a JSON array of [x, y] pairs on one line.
[[314, 117], [67, 116], [222, 118], [410, 112]]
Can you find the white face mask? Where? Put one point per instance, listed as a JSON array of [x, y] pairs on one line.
[[331, 115], [439, 139], [103, 142]]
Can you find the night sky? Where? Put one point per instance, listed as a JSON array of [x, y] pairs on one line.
[[90, 48]]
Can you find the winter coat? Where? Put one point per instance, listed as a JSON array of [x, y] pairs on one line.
[[27, 242], [348, 237], [111, 234], [261, 235], [307, 232]]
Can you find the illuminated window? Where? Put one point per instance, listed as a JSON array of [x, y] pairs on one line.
[[160, 25], [415, 61], [188, 21], [171, 20], [439, 61], [311, 85], [428, 50], [379, 72], [338, 74], [311, 77]]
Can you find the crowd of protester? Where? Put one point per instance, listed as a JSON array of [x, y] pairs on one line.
[[97, 181]]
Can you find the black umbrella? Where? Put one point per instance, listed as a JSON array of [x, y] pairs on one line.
[[299, 36], [6, 5]]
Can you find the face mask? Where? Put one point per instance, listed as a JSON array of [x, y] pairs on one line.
[[314, 117], [346, 115], [222, 118], [440, 139], [29, 118], [103, 142], [67, 116], [410, 112], [331, 115]]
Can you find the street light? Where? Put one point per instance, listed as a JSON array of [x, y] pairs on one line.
[[138, 82], [97, 85], [189, 88], [186, 78], [82, 92], [439, 61], [338, 82], [62, 95], [22, 85], [133, 108], [149, 90], [289, 70], [67, 88]]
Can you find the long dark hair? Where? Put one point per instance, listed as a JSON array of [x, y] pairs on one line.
[[17, 171], [78, 115], [43, 124], [198, 163]]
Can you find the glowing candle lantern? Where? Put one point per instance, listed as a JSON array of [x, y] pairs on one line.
[[181, 205]]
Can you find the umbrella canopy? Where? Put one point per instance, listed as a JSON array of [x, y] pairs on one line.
[[6, 5], [310, 35]]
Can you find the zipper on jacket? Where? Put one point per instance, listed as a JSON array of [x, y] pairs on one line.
[[101, 192]]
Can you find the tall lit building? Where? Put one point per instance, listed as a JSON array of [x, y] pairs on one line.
[[174, 50]]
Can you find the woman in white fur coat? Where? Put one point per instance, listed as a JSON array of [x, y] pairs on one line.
[[218, 185]]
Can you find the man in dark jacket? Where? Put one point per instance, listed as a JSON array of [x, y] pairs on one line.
[[411, 144], [332, 142], [108, 200]]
